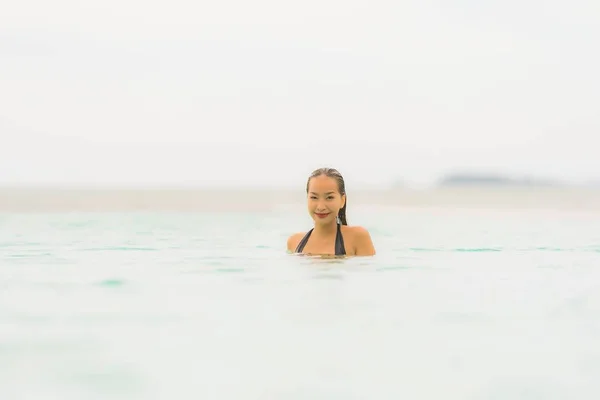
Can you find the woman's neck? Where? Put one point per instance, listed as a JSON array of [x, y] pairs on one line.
[[326, 229]]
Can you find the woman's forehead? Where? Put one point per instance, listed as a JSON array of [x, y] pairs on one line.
[[323, 184]]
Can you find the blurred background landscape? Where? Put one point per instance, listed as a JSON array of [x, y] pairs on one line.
[[461, 192], [422, 102]]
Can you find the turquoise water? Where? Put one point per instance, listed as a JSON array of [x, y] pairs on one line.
[[456, 305]]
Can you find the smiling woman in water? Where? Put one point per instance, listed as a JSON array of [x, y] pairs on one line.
[[331, 235]]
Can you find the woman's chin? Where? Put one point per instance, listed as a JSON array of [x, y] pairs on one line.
[[323, 221]]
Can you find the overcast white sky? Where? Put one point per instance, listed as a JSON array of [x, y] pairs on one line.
[[262, 92]]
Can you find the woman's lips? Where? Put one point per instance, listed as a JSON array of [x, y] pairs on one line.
[[322, 215]]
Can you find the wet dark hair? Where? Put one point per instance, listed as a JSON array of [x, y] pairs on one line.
[[335, 174]]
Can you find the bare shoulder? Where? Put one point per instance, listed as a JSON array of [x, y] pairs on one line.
[[356, 231], [294, 239], [362, 240]]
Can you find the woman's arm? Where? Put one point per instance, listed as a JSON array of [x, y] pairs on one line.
[[293, 241], [363, 243]]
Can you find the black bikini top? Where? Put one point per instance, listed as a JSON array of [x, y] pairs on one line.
[[340, 250]]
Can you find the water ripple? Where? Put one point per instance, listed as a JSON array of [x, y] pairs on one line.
[[120, 248]]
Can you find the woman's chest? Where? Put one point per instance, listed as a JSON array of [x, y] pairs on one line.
[[329, 246]]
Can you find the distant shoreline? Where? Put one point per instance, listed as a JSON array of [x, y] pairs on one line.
[[496, 180], [47, 199]]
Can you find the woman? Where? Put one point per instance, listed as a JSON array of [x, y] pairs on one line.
[[331, 234]]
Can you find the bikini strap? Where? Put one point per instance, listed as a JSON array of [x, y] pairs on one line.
[[340, 249], [303, 242]]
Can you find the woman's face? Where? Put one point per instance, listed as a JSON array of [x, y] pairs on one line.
[[324, 199]]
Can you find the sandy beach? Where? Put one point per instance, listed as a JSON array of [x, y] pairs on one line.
[[39, 199]]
